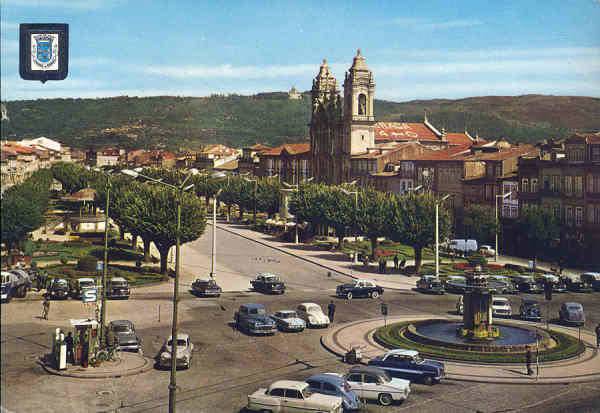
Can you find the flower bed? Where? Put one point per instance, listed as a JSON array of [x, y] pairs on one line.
[[466, 267]]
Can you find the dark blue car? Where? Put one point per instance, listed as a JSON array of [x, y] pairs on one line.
[[407, 364], [333, 385], [253, 319]]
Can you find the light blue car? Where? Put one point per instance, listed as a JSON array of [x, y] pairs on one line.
[[288, 320], [334, 385]]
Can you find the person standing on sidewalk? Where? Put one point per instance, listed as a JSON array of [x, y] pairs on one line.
[[528, 362], [70, 345], [598, 335], [331, 311], [46, 307], [395, 262]]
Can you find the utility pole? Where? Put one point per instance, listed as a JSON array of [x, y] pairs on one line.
[[105, 269]]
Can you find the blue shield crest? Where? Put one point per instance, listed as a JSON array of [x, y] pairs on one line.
[[44, 50]]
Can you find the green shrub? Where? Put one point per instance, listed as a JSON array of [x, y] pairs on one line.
[[87, 263], [63, 259], [477, 259]]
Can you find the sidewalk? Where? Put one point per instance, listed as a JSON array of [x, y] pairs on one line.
[[584, 368], [128, 364]]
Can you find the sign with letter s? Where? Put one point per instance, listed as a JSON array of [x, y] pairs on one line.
[[89, 295]]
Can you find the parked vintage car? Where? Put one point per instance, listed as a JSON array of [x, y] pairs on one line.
[[462, 246], [501, 307], [288, 320], [557, 285], [592, 279], [487, 250], [285, 396], [80, 284], [59, 289], [206, 287], [372, 383], [253, 319], [313, 315], [507, 286], [571, 313], [527, 284], [455, 284], [118, 287], [530, 310], [268, 283], [334, 385], [408, 364], [360, 288], [126, 336], [7, 286], [576, 284], [430, 284], [184, 350]]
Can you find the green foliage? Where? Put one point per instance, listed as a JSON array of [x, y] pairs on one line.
[[540, 228], [63, 259], [87, 263], [477, 259], [273, 119], [479, 223]]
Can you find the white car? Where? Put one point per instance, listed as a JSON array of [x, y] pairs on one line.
[[501, 307], [375, 384], [312, 314], [487, 250], [185, 349], [292, 396]]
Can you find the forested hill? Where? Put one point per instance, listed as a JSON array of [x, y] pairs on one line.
[[179, 123]]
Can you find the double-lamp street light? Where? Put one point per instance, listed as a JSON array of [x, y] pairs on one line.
[[437, 233], [180, 190]]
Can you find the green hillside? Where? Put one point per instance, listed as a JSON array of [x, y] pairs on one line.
[[179, 123]]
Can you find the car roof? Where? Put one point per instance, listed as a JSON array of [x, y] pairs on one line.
[[403, 352], [203, 279], [121, 323], [364, 280], [180, 336], [86, 279], [328, 378], [289, 384], [527, 300], [118, 279], [501, 298], [285, 311], [573, 303], [573, 276], [595, 275], [253, 306], [267, 274], [310, 304]]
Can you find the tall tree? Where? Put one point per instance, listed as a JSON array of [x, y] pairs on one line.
[[372, 215], [267, 195], [479, 223], [540, 228], [412, 222], [338, 211]]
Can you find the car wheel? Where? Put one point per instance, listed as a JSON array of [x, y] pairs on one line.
[[428, 381], [374, 294], [385, 399], [349, 296]]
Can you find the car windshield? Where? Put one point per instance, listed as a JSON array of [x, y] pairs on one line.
[[257, 311], [573, 308], [86, 283], [287, 315], [121, 328], [499, 302], [119, 283], [385, 377], [418, 359], [313, 309], [180, 343], [271, 279]]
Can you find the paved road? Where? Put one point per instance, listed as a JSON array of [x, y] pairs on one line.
[[227, 364]]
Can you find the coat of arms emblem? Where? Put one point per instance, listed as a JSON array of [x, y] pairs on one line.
[[44, 54]]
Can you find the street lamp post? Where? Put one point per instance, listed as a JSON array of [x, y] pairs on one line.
[[180, 190], [214, 240], [105, 266], [254, 196], [437, 233], [498, 197]]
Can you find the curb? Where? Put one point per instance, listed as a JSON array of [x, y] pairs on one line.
[[148, 364]]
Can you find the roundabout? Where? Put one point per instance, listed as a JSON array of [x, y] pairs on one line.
[[583, 367]]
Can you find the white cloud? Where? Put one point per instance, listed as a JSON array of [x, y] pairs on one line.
[[229, 71], [426, 24], [492, 53]]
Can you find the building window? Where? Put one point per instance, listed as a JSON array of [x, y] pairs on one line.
[[593, 183], [579, 216], [556, 211], [578, 185], [546, 182], [555, 183], [568, 184], [498, 170], [595, 153], [525, 185], [569, 215], [534, 184], [594, 214]]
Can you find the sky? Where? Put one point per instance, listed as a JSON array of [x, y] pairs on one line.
[[417, 49]]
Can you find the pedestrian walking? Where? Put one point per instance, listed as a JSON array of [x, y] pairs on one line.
[[70, 345], [598, 335], [110, 336], [331, 311], [46, 307], [528, 361], [395, 262]]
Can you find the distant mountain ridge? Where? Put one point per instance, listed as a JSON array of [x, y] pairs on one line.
[[181, 123]]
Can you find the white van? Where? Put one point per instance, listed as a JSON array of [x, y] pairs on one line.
[[463, 246]]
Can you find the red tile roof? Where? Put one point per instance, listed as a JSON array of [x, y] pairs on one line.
[[291, 148], [461, 138], [404, 131], [503, 154], [584, 138], [452, 153]]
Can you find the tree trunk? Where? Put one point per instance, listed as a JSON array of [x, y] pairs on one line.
[[146, 249], [373, 246], [418, 258], [121, 233], [340, 235], [133, 240], [164, 256], [228, 211]]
